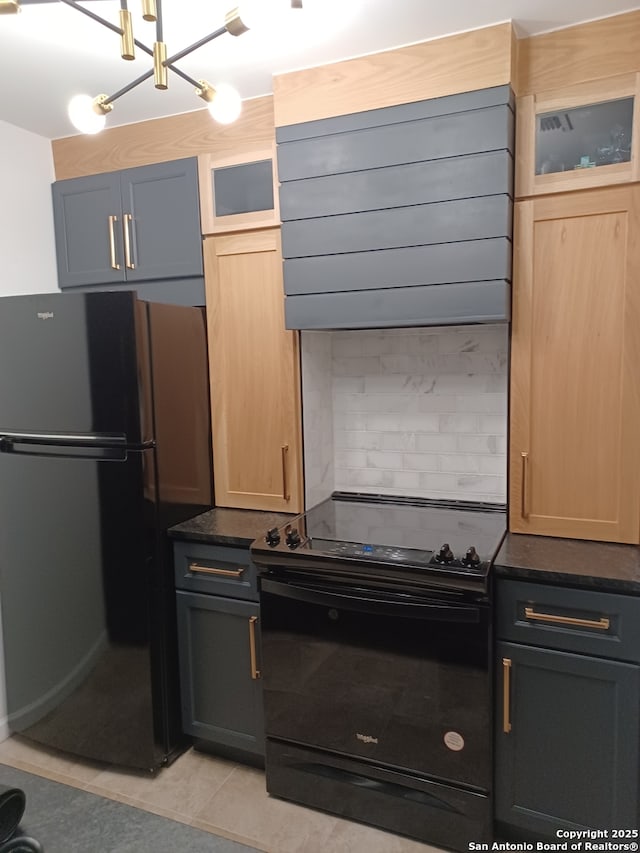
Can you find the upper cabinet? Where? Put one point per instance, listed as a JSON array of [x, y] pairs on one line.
[[583, 136], [135, 225], [255, 375], [239, 192], [575, 357], [399, 216]]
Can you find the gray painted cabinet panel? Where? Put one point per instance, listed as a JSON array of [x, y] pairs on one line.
[[435, 305], [81, 210], [491, 97], [447, 221], [398, 186], [389, 145], [221, 702], [400, 216], [164, 233], [571, 759], [474, 260]]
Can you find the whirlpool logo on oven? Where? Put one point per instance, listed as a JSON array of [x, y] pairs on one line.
[[366, 738]]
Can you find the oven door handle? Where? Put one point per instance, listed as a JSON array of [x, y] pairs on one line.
[[414, 609]]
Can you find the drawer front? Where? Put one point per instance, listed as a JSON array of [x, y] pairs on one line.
[[589, 622], [215, 569]]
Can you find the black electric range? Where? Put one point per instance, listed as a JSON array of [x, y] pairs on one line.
[[389, 542], [375, 630]]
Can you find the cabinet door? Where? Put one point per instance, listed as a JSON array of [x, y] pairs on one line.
[[566, 741], [585, 135], [575, 405], [255, 375], [239, 192], [219, 670], [87, 217], [161, 227]]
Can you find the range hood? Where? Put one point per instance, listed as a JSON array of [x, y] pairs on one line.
[[400, 216]]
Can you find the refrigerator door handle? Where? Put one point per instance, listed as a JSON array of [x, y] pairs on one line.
[[62, 439]]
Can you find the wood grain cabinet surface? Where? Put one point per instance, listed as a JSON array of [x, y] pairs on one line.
[[238, 192], [582, 136], [255, 375], [575, 397]]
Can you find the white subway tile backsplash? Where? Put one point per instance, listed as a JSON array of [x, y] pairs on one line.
[[413, 411]]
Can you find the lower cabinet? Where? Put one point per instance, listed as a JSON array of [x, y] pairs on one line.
[[219, 648], [567, 734]]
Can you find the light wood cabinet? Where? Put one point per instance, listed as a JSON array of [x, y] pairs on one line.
[[582, 136], [575, 396], [255, 375], [238, 192]]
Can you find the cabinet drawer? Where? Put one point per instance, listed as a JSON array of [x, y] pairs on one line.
[[215, 569], [584, 621]]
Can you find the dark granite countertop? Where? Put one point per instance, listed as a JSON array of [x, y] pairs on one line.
[[224, 526], [603, 566]]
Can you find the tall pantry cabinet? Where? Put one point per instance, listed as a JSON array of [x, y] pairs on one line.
[[255, 384], [575, 395]]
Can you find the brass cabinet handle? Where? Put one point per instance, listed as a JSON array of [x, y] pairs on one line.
[[285, 473], [255, 672], [524, 508], [601, 624], [506, 695], [207, 570], [112, 244], [127, 219]]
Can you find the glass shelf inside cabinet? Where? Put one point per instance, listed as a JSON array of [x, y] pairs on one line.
[[584, 137]]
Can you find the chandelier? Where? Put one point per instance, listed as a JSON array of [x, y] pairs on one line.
[[89, 114]]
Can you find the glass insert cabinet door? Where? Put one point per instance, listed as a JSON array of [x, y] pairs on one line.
[[238, 192], [583, 136]]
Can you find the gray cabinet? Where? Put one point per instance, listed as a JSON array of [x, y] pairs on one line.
[[399, 216], [568, 699], [219, 648], [137, 225]]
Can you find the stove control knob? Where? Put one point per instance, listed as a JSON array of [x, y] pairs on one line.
[[292, 538], [445, 554], [273, 537], [471, 558]]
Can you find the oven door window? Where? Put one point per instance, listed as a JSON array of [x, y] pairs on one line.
[[403, 682]]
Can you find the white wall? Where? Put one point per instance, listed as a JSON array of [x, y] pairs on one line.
[[27, 249], [418, 412]]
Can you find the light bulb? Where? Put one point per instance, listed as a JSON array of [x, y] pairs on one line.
[[226, 104], [83, 116]]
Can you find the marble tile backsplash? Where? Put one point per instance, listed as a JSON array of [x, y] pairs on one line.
[[415, 411]]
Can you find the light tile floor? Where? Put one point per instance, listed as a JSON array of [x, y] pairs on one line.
[[215, 795]]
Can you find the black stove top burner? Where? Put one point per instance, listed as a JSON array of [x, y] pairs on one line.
[[402, 541]]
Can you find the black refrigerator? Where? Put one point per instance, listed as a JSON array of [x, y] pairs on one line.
[[104, 443]]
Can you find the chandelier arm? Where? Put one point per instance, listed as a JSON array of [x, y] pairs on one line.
[[128, 87], [184, 76], [200, 43]]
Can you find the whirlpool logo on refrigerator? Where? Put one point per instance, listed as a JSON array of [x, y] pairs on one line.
[[366, 738], [45, 315]]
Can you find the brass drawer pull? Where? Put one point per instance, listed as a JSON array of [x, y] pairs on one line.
[[601, 624], [112, 244], [255, 672], [285, 475], [506, 695], [206, 570]]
